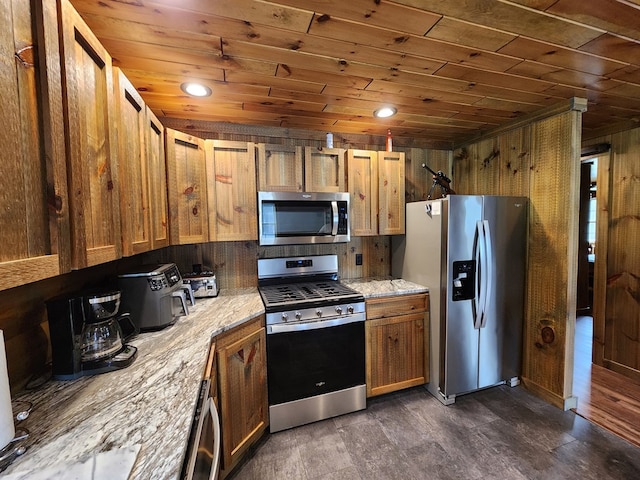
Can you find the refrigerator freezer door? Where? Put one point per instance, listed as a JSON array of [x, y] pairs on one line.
[[458, 337], [500, 342]]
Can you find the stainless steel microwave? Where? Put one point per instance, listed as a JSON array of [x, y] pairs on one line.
[[290, 218]]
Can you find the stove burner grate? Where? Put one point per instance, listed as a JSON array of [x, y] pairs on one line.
[[301, 292]]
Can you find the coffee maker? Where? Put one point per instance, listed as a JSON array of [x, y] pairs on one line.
[[88, 335]]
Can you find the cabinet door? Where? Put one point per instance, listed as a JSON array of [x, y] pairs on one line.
[[391, 193], [324, 170], [135, 216], [158, 203], [279, 168], [34, 213], [186, 185], [395, 352], [91, 143], [231, 179], [362, 182], [242, 377]]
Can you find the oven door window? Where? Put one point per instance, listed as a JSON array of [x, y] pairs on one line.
[[295, 219], [313, 362]]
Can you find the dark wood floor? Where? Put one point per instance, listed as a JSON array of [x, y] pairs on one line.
[[604, 397], [499, 433]]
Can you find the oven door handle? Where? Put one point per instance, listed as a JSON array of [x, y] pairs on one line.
[[302, 326]]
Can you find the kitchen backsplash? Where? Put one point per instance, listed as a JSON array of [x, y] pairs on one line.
[[235, 263]]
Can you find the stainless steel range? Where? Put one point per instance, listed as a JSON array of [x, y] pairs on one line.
[[315, 340]]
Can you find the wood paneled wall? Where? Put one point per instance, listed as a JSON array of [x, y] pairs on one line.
[[235, 263], [539, 161], [616, 308]]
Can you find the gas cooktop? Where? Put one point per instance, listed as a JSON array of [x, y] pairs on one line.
[[300, 287], [294, 293]]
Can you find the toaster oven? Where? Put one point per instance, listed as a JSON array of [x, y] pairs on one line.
[[203, 285]]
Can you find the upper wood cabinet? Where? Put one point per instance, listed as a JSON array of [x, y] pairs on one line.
[[362, 179], [187, 188], [324, 170], [376, 186], [34, 214], [280, 168], [134, 191], [92, 161], [391, 193], [157, 180], [231, 183]]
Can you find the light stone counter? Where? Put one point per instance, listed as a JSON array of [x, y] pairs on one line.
[[148, 405], [384, 287]]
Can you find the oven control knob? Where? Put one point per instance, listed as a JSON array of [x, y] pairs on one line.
[[285, 316], [318, 312], [298, 315], [350, 309], [339, 310]]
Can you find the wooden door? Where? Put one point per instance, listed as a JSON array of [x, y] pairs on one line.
[[187, 188], [231, 179], [395, 353], [617, 320], [396, 343], [34, 213], [92, 160], [135, 218], [362, 183], [391, 193], [158, 204], [324, 170], [280, 168], [242, 378]]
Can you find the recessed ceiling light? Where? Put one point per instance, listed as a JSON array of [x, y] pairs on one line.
[[196, 89], [385, 112]]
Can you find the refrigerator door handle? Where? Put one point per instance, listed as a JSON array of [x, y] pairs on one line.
[[487, 271], [479, 307]]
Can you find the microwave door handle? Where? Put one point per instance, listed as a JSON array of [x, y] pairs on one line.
[[334, 209]]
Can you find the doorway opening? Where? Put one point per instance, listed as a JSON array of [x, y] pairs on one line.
[[583, 344]]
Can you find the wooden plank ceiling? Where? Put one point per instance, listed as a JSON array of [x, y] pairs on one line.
[[452, 68]]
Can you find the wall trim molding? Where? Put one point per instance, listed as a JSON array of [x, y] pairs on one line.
[[549, 396], [578, 104], [222, 130]]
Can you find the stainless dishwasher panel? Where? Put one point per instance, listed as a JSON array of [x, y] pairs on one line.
[[202, 459], [207, 462]]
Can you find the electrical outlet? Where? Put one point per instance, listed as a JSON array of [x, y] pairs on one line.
[[358, 259]]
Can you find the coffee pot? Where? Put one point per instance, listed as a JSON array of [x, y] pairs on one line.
[[88, 334]]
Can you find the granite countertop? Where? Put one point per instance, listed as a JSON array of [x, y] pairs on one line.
[[149, 404], [147, 407], [384, 287]]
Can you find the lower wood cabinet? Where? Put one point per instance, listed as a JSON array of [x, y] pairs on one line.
[[242, 389], [397, 343]]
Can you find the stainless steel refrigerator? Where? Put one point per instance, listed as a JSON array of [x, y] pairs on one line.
[[470, 251]]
